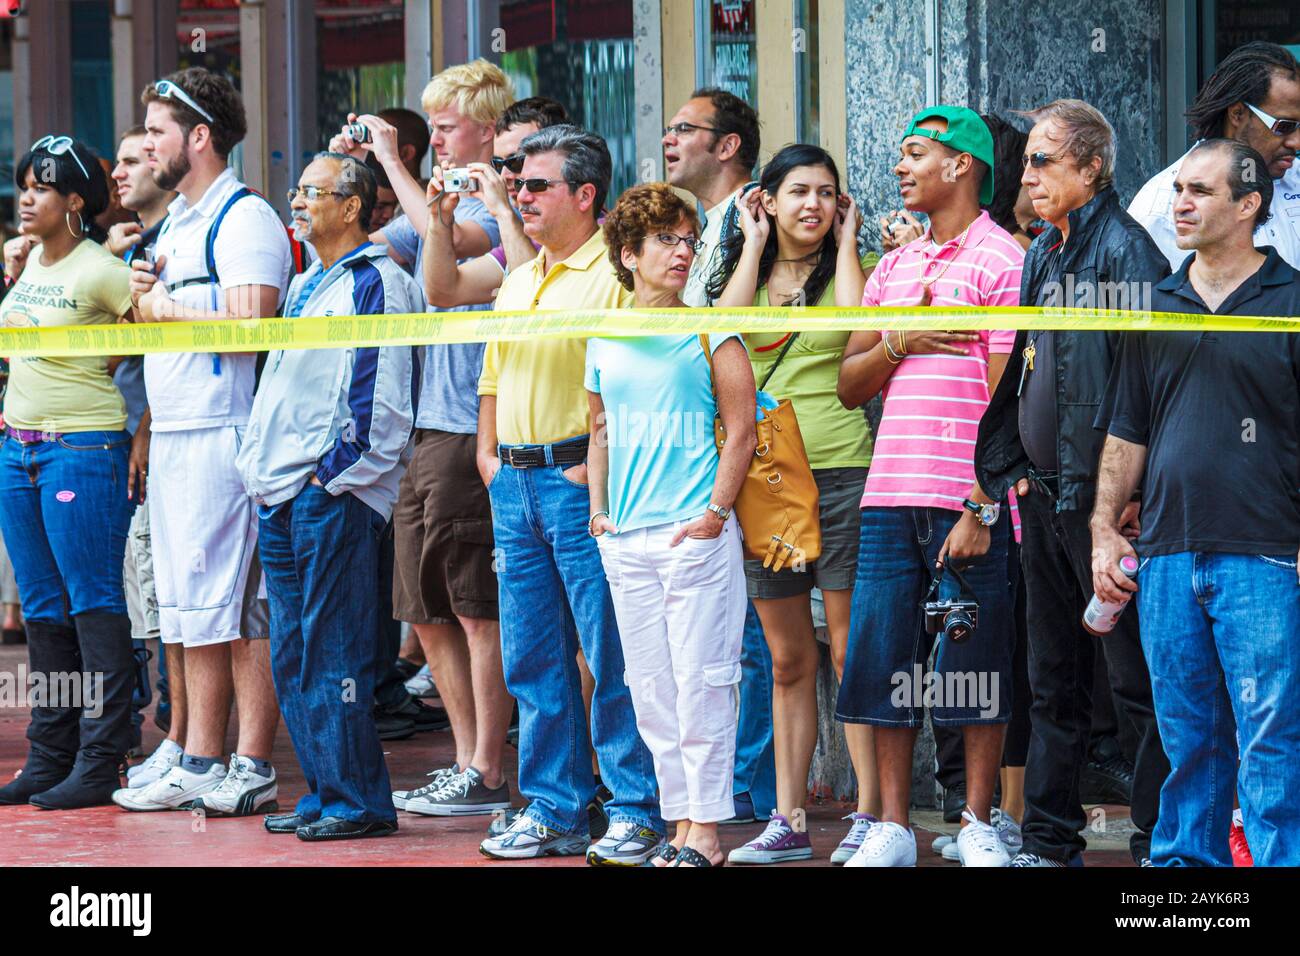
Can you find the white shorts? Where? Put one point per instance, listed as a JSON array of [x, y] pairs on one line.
[[204, 529]]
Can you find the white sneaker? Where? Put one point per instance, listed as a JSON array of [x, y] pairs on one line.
[[421, 685], [951, 853], [942, 842], [1008, 831], [168, 755], [439, 777], [885, 844], [243, 792], [978, 844], [174, 790]]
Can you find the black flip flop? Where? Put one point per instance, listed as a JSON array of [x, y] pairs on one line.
[[693, 858], [665, 851]]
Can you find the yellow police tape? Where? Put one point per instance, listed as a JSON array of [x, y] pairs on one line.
[[343, 331]]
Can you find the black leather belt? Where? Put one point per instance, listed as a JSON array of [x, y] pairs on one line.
[[561, 454], [1045, 482]]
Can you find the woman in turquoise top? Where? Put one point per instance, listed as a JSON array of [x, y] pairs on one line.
[[661, 498], [785, 254]]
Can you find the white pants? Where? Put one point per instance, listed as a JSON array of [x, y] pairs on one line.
[[204, 529], [681, 618]]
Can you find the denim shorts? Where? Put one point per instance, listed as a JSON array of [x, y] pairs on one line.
[[886, 678], [839, 499]]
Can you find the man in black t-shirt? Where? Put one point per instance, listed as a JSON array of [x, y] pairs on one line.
[[1209, 424]]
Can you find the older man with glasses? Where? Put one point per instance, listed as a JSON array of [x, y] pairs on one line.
[[1037, 435], [322, 514], [533, 430]]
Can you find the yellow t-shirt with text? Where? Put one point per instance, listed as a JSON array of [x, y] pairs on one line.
[[88, 286]]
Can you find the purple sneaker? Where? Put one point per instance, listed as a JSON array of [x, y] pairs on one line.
[[857, 832], [776, 844]]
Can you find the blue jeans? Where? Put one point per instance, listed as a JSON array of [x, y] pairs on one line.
[[320, 555], [1221, 634], [65, 515], [885, 683], [554, 598], [755, 771]]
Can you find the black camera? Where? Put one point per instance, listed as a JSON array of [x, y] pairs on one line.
[[955, 618]]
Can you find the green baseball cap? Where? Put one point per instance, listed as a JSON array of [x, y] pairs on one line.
[[966, 133]]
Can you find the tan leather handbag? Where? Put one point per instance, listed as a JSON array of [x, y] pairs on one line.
[[778, 503]]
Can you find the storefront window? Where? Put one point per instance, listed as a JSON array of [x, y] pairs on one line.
[[92, 75], [360, 60], [579, 52], [729, 56], [207, 35], [1240, 21]]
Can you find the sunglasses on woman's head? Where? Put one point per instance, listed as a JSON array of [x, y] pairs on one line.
[[514, 162], [59, 146]]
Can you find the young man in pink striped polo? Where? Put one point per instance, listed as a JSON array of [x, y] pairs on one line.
[[922, 509]]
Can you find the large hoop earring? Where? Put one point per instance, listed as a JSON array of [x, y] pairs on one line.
[[81, 222]]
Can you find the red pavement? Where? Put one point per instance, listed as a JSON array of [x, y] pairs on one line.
[[109, 836]]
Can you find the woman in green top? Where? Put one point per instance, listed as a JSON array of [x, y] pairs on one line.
[[785, 254], [64, 508]]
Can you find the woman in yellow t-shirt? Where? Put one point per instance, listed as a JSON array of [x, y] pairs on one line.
[[64, 508], [785, 254]]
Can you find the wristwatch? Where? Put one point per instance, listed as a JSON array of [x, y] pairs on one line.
[[986, 514], [721, 512]]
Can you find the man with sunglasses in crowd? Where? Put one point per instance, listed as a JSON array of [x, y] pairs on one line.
[[203, 523], [1254, 98], [1037, 436], [533, 432]]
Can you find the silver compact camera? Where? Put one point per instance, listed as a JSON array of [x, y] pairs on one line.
[[359, 132], [459, 180]]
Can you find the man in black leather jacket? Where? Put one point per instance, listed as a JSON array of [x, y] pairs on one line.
[[1037, 436]]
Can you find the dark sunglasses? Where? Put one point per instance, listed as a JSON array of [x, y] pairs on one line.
[[514, 162], [1038, 160], [672, 239], [541, 185]]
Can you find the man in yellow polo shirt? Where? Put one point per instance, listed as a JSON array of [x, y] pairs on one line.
[[533, 430]]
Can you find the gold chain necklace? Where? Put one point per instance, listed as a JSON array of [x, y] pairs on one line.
[[926, 283]]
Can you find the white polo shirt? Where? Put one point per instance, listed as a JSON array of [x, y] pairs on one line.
[[1153, 206], [201, 389]]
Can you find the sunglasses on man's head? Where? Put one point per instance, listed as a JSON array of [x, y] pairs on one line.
[[59, 146], [169, 90], [1278, 127], [514, 162], [541, 185]]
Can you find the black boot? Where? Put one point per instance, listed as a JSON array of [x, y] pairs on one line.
[[53, 731], [109, 669]]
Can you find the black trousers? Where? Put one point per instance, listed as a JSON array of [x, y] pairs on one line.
[[1056, 557]]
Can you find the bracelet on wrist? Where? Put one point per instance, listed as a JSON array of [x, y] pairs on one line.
[[591, 523]]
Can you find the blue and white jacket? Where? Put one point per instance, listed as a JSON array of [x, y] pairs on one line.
[[343, 415]]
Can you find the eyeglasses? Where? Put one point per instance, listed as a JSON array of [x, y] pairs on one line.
[[681, 129], [59, 146], [312, 193], [541, 185], [1278, 127], [514, 162], [671, 240], [1038, 160], [169, 90]]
